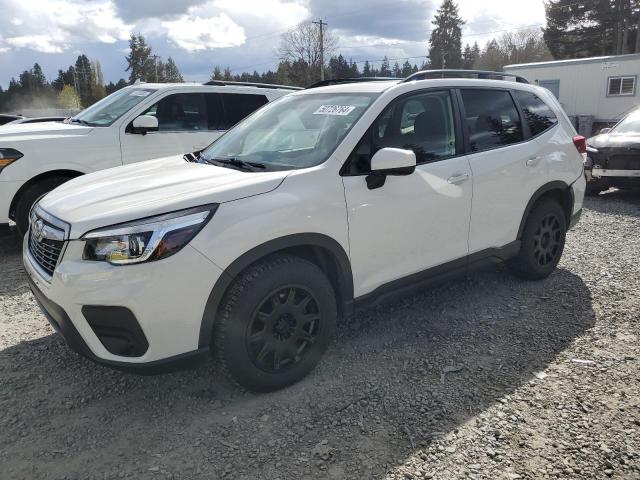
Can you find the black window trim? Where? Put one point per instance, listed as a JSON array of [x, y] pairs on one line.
[[457, 122]]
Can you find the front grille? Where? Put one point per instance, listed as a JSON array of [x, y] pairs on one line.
[[45, 243]]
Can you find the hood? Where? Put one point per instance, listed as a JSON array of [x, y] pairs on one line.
[[624, 141], [26, 131], [155, 187]]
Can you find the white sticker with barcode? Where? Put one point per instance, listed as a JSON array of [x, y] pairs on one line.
[[341, 110], [139, 93]]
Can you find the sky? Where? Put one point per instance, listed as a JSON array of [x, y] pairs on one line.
[[240, 34]]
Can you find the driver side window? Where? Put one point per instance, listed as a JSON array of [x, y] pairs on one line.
[[181, 112], [423, 123]]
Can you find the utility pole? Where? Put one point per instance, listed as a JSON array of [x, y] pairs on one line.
[[321, 24]]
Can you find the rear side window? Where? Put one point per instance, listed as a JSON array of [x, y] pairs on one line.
[[537, 114], [240, 105], [492, 119], [215, 109]]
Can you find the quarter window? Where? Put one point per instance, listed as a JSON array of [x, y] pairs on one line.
[[537, 114], [491, 118], [620, 86]]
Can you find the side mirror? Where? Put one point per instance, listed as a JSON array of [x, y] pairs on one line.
[[390, 161], [144, 124], [604, 131]]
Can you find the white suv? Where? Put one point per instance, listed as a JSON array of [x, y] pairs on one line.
[[136, 123], [325, 200]]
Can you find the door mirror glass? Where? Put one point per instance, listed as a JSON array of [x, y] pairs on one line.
[[393, 161], [604, 131], [144, 124]]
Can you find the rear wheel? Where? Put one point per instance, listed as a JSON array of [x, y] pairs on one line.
[[276, 322], [542, 240], [30, 196]]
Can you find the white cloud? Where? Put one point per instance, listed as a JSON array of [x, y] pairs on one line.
[[39, 43], [195, 33], [52, 26]]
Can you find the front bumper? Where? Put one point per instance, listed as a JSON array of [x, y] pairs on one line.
[[605, 172], [167, 299]]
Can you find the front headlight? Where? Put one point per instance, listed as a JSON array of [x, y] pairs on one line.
[[8, 156], [148, 239]]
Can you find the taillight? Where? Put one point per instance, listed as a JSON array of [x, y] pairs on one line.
[[581, 143]]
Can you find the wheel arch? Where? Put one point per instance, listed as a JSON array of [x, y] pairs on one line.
[[322, 250], [39, 178], [557, 190]]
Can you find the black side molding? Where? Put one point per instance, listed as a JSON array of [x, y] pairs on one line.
[[438, 274]]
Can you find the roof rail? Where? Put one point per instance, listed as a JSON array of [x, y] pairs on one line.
[[482, 74], [339, 81], [223, 83]]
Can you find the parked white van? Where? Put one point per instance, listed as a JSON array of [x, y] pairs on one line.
[[136, 123]]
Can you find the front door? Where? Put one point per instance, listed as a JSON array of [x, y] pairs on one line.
[[413, 222], [186, 123]]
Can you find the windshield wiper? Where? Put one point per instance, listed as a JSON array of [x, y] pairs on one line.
[[239, 164], [82, 122]]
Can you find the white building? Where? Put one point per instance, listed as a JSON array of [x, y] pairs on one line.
[[596, 91]]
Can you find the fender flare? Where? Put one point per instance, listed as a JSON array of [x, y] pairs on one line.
[[344, 280], [555, 185]]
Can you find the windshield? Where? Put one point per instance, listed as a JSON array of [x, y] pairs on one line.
[[297, 131], [111, 108], [631, 124]]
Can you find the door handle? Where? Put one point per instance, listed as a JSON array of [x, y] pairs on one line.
[[458, 178], [533, 161]]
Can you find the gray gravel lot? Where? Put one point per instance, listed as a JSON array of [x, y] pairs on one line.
[[488, 377]]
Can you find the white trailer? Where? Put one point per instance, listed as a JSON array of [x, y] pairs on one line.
[[596, 92]]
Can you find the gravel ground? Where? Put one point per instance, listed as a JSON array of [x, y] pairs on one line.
[[488, 377]]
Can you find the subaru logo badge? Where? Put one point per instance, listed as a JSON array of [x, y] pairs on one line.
[[38, 230]]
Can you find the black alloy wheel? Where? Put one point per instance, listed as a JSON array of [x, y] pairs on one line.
[[283, 329]]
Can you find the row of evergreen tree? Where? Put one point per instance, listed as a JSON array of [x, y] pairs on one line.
[[82, 83]]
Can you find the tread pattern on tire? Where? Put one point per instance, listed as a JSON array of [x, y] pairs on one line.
[[520, 265], [234, 295]]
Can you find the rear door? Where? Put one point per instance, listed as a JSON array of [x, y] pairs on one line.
[[506, 164]]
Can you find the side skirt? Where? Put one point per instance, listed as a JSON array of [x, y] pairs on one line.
[[441, 273]]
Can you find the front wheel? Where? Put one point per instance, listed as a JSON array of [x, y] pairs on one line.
[[276, 322], [542, 241], [30, 196]]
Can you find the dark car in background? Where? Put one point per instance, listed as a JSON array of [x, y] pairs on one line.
[[613, 156]]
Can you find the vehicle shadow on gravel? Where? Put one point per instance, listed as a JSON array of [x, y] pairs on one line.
[[626, 202], [396, 377]]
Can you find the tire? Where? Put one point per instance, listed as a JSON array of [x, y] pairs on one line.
[[275, 323], [593, 189], [542, 241], [29, 196]]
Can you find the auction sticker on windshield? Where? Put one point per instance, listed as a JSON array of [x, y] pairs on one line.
[[341, 110]]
